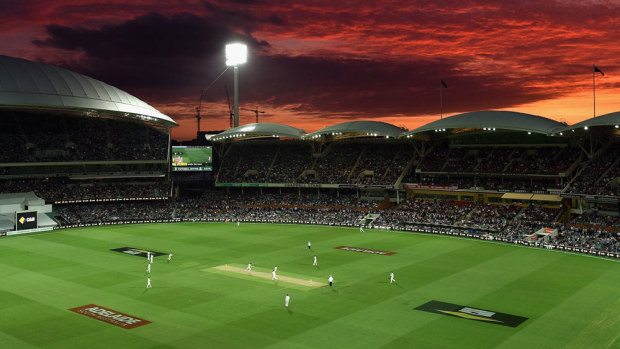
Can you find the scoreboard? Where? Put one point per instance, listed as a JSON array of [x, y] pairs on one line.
[[188, 158]]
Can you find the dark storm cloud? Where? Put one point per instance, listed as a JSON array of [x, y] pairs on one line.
[[171, 58], [241, 18], [165, 55], [370, 87]]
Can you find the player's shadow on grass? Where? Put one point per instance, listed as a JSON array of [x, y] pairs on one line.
[[289, 311]]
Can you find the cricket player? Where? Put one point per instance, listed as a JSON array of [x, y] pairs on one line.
[[170, 257], [273, 275], [331, 280], [249, 268], [275, 268], [309, 246], [286, 300], [152, 258], [148, 282], [392, 277], [148, 256], [361, 228], [148, 268], [315, 264], [238, 223]]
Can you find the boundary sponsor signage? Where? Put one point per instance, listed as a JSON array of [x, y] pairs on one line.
[[470, 313], [431, 187], [437, 229], [110, 316], [77, 201], [365, 250], [136, 251], [26, 220]]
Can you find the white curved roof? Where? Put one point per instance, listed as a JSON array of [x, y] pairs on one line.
[[494, 119], [25, 83], [611, 119], [263, 129], [360, 128]]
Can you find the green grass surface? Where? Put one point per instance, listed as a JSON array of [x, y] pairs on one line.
[[571, 301]]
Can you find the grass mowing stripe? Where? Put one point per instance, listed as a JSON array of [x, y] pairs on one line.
[[417, 289], [9, 341], [580, 311], [190, 308]]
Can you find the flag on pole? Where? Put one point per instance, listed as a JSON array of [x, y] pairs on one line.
[[443, 83], [597, 70]]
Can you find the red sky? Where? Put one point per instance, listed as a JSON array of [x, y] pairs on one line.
[[315, 63]]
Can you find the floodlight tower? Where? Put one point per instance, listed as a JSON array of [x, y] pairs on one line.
[[236, 54]]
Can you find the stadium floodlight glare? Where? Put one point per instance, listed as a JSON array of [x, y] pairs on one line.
[[236, 54]]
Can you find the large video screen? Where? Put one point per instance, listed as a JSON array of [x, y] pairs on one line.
[[185, 158]]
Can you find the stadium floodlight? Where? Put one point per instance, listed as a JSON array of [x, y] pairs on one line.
[[236, 54]]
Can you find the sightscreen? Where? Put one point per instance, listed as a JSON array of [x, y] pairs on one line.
[[25, 220], [187, 158]]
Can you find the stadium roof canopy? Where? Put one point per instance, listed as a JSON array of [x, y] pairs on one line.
[[357, 129], [258, 130], [31, 85], [611, 119], [492, 120]]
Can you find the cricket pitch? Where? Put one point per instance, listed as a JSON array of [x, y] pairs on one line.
[[264, 275]]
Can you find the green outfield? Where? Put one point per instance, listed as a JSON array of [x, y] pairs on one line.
[[570, 301]]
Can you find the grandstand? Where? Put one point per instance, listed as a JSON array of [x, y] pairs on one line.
[[61, 123], [101, 155], [69, 138], [495, 169]]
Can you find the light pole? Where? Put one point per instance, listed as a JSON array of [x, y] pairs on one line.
[[236, 54]]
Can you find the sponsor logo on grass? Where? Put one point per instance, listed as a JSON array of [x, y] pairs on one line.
[[110, 316], [470, 313], [136, 251], [364, 250]]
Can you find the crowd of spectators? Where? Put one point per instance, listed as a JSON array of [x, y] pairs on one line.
[[511, 222], [500, 160], [53, 138], [599, 176], [62, 189], [503, 168], [478, 182], [293, 162]]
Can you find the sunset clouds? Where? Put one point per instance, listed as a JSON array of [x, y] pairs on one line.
[[315, 63]]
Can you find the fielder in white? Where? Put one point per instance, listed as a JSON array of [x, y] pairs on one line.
[[238, 223], [315, 264], [392, 277], [286, 300], [148, 256], [361, 228], [148, 268], [309, 246], [152, 258], [170, 257], [331, 280], [273, 275], [249, 268], [148, 282]]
